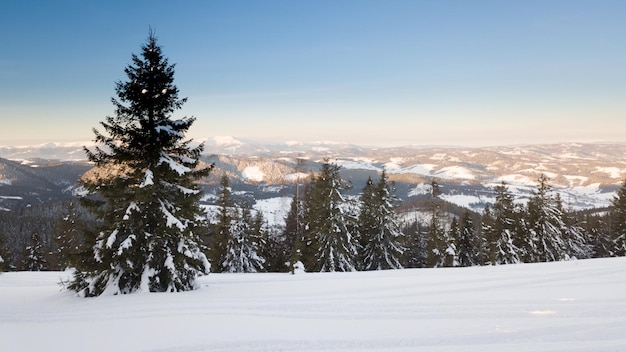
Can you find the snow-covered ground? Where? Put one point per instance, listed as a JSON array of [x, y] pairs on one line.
[[564, 306]]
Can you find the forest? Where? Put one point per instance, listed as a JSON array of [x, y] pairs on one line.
[[328, 231]]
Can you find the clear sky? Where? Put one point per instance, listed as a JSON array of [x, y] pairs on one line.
[[387, 72]]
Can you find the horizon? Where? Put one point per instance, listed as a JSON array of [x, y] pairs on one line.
[[481, 73], [290, 143]]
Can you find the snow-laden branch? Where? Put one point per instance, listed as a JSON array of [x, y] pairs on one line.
[[175, 166]]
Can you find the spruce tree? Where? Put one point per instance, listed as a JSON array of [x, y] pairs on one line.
[[145, 195], [416, 243], [440, 245], [378, 227], [327, 228], [34, 255], [3, 262], [545, 224], [367, 222], [69, 238], [226, 215], [243, 244], [576, 239], [502, 234], [293, 234], [618, 221], [597, 228], [468, 243]]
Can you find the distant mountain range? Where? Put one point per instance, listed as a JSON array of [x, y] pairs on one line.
[[586, 175]]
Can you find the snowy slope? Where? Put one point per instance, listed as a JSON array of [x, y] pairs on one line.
[[564, 306]]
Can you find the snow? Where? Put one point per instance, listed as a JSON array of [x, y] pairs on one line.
[[613, 172], [359, 164], [148, 179], [467, 201], [297, 177], [420, 189], [455, 172], [274, 210], [174, 166], [421, 169], [226, 141], [253, 173], [562, 306]]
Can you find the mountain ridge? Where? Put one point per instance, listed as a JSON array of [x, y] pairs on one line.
[[586, 175]]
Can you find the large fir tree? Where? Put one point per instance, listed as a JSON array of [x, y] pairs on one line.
[[146, 197]]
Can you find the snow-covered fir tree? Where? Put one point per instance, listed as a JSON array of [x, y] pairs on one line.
[[3, 262], [145, 195], [416, 245], [468, 244], [545, 224], [367, 224], [293, 233], [226, 215], [69, 238], [328, 223], [502, 233], [34, 255], [618, 221], [597, 229], [441, 246], [378, 229], [243, 244], [576, 239]]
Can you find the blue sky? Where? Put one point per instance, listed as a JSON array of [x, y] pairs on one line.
[[368, 72]]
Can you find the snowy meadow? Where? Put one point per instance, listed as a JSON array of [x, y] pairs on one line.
[[560, 306]]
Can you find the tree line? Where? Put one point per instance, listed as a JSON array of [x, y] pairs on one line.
[[328, 231]]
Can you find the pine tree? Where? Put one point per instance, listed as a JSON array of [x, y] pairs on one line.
[[293, 234], [328, 225], [243, 245], [4, 264], [545, 224], [222, 229], [69, 238], [34, 255], [441, 247], [467, 244], [148, 239], [379, 231], [416, 243], [596, 226], [618, 221], [502, 235], [576, 239]]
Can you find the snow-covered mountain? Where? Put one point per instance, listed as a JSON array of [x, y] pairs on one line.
[[586, 175]]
